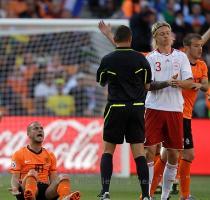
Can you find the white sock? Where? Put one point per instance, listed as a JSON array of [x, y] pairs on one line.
[[169, 176], [151, 173]]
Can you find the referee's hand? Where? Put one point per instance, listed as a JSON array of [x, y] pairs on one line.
[[105, 28]]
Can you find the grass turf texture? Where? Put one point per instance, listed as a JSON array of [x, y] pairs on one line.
[[121, 188]]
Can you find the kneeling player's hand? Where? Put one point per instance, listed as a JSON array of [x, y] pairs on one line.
[[32, 172], [14, 191]]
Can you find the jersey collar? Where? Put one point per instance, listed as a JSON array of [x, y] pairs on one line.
[[33, 150], [166, 54]]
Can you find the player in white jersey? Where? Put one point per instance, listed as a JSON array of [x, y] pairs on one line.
[[165, 106], [164, 66]]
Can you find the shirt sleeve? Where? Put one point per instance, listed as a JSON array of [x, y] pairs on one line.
[[101, 76], [186, 71], [150, 62], [53, 162], [148, 72], [204, 71], [16, 162]]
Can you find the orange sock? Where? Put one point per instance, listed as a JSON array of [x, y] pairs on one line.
[[179, 159], [184, 172], [64, 188], [158, 173], [30, 186], [157, 156]]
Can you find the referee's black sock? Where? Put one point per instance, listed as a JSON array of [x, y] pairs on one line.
[[106, 171], [143, 175]]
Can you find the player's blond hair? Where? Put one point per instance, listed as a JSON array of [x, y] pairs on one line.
[[155, 27]]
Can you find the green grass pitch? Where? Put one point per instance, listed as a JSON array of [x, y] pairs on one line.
[[121, 188]]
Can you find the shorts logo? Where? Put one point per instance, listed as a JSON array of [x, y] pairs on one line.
[[13, 164], [187, 141]]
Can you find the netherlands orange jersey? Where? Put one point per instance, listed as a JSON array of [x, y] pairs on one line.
[[25, 159], [199, 71]]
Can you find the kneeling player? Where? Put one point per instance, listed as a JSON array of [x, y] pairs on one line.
[[34, 175]]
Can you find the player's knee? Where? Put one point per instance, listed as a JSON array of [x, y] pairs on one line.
[[150, 155], [62, 177], [189, 156]]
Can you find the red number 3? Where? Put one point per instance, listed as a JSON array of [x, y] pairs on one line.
[[157, 66]]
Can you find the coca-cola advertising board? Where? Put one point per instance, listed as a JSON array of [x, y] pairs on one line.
[[76, 142]]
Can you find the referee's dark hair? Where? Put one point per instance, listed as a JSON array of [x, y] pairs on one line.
[[189, 37], [122, 34]]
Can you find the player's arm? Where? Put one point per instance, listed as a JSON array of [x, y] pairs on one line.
[[203, 85], [15, 169], [106, 30], [186, 74], [53, 170], [101, 75], [185, 84], [157, 85], [15, 184], [53, 176], [206, 36]]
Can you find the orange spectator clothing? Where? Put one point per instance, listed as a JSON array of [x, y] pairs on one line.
[[17, 7], [199, 71], [129, 8], [25, 159]]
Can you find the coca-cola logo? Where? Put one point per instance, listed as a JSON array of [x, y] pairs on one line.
[[76, 143]]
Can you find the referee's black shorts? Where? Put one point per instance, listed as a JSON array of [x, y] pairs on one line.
[[188, 138], [124, 121], [42, 187]]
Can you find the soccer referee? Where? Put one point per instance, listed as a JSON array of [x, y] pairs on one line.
[[128, 75]]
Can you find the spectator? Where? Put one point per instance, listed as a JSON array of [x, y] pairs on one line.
[[169, 13], [196, 18], [140, 25], [181, 28], [17, 8], [61, 104], [3, 8], [46, 88]]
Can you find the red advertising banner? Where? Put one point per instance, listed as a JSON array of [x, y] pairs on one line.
[[76, 142], [201, 138]]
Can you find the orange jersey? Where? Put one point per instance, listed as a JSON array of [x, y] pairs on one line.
[[199, 71], [25, 159]]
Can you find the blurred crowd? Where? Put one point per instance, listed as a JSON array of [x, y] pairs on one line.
[[49, 74], [57, 84]]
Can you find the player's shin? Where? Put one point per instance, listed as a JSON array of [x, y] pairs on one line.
[[63, 188], [30, 187], [158, 173], [143, 175], [168, 179], [184, 172]]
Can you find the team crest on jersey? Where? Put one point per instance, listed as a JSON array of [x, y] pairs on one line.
[[13, 164], [176, 65]]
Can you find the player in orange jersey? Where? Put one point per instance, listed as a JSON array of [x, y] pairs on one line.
[[34, 173], [193, 48], [193, 45]]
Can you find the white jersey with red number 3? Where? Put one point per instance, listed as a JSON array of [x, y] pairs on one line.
[[163, 67]]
